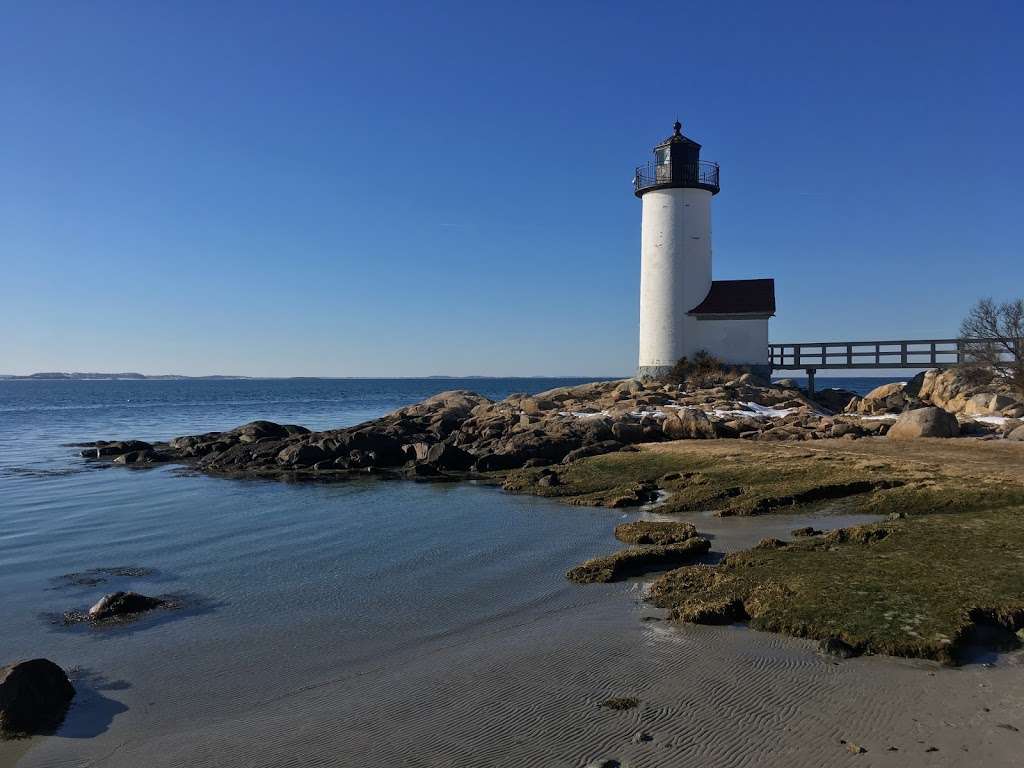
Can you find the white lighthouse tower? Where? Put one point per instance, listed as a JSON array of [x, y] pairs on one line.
[[682, 310]]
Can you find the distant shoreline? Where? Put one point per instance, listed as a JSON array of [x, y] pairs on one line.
[[181, 377], [227, 377]]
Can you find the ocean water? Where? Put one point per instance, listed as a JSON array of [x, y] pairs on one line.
[[282, 586]]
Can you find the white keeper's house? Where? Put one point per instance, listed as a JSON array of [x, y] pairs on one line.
[[682, 309]]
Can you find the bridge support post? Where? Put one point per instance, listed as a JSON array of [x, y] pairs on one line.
[[810, 381]]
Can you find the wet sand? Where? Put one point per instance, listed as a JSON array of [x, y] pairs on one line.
[[526, 691]]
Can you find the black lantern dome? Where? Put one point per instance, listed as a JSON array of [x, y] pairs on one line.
[[677, 163]]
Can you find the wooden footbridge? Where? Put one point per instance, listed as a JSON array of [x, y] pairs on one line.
[[903, 353]]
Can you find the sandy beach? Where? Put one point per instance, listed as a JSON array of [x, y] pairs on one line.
[[526, 690], [396, 623]]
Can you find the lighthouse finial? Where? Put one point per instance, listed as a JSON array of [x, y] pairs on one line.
[[677, 128]]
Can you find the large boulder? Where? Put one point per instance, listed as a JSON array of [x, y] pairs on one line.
[[453, 404], [533, 405], [628, 432], [34, 695], [445, 456], [258, 430], [1016, 434], [834, 398], [888, 398], [688, 424], [924, 422], [301, 455], [381, 449]]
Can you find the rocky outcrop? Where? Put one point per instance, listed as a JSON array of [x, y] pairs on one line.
[[924, 422], [461, 431], [113, 448], [967, 390], [34, 695], [888, 398], [120, 604], [977, 397]]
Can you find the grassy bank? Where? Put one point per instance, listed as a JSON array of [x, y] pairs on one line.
[[947, 561]]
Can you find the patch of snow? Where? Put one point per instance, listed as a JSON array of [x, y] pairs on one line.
[[881, 417], [755, 410], [652, 414], [997, 420], [584, 414]]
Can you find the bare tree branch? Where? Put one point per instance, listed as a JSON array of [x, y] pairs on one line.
[[997, 334]]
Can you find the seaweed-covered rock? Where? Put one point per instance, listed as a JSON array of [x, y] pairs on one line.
[[620, 703], [857, 534], [654, 532], [549, 480], [123, 604], [835, 646], [114, 448], [596, 449], [635, 561], [634, 496], [712, 612], [34, 695]]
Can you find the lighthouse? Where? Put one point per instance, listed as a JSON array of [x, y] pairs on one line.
[[683, 310]]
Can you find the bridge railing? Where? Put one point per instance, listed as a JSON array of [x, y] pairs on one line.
[[903, 353]]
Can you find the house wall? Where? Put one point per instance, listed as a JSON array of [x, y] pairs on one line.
[[735, 341]]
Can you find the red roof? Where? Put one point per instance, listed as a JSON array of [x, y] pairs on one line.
[[738, 297]]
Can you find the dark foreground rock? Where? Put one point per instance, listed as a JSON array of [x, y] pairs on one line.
[[34, 695], [121, 604], [835, 646]]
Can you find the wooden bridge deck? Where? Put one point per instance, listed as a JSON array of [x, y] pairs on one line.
[[865, 355]]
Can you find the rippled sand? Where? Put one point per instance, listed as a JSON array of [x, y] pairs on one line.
[[523, 687]]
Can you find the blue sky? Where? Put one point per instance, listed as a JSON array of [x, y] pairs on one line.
[[424, 188]]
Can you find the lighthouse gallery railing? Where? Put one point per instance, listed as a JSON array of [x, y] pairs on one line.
[[703, 172]]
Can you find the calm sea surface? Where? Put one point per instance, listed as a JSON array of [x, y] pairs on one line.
[[281, 583]]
